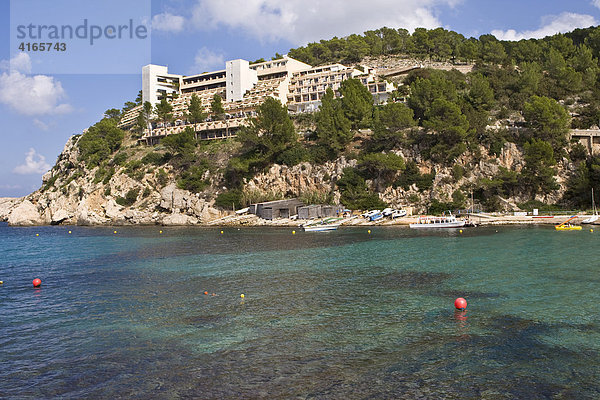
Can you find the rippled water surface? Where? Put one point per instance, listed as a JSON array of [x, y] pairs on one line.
[[342, 314]]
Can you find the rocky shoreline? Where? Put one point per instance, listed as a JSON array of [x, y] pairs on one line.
[[22, 212]]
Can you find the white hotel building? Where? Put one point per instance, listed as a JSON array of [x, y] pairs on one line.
[[243, 87]]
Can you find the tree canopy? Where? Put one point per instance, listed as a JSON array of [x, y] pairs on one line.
[[100, 141], [333, 127], [357, 103]]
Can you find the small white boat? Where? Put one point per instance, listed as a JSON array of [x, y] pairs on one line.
[[376, 217], [445, 221], [387, 212], [398, 214], [319, 228], [329, 224], [594, 217]]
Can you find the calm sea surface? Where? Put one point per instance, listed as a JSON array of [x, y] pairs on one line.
[[341, 315]]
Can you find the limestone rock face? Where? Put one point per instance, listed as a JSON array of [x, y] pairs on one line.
[[511, 157], [303, 178], [60, 216], [114, 211], [181, 201], [6, 206], [75, 194], [179, 219], [25, 214]]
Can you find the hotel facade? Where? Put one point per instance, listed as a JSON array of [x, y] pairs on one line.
[[243, 87]]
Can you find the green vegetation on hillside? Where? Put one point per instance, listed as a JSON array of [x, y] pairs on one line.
[[100, 141], [525, 94]]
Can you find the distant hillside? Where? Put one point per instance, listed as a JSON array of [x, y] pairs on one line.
[[499, 133], [441, 44]]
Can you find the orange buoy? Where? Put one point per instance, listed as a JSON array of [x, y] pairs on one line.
[[37, 282], [460, 303], [205, 292]]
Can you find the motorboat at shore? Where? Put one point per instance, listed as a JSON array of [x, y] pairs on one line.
[[445, 221], [329, 224], [319, 228]]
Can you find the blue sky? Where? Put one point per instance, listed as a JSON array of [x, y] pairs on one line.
[[44, 102]]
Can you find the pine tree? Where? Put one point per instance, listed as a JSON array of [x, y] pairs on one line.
[[268, 135], [216, 107], [195, 113], [164, 111], [357, 103], [333, 128]]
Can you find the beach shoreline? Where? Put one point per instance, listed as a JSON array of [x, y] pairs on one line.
[[477, 219]]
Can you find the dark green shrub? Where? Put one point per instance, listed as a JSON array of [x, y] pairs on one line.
[[99, 142], [293, 156], [154, 159], [120, 158], [129, 198], [355, 193], [412, 175], [458, 171], [193, 179], [50, 183], [162, 177], [230, 199]]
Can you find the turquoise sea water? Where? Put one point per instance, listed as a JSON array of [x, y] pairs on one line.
[[342, 315]]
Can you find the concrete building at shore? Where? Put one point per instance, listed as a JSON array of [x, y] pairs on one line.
[[243, 87]]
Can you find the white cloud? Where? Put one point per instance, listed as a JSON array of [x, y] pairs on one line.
[[41, 125], [34, 164], [551, 25], [596, 3], [21, 62], [31, 95], [168, 22], [301, 21], [207, 60]]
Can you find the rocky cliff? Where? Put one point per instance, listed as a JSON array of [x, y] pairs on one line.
[[74, 195], [305, 177], [71, 197]]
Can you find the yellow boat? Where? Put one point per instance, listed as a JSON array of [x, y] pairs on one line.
[[567, 227]]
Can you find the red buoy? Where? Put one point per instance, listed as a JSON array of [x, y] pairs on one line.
[[37, 282], [460, 303]]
